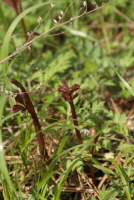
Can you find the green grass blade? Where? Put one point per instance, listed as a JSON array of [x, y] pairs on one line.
[[124, 179], [62, 144], [104, 169], [79, 33], [62, 181], [123, 81], [3, 166], [43, 184], [9, 116], [84, 147]]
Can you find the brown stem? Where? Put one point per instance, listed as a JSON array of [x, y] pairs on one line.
[[32, 112], [22, 20], [14, 2], [80, 138], [75, 122], [23, 24]]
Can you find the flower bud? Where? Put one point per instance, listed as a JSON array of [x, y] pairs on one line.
[[55, 21], [28, 34], [61, 12], [39, 20], [52, 5], [84, 4], [59, 17]]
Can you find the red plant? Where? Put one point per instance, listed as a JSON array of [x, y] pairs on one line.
[[26, 104], [68, 95]]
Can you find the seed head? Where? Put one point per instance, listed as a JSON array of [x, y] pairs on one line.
[[59, 17], [55, 21], [52, 5], [39, 20], [84, 4], [61, 12], [29, 34]]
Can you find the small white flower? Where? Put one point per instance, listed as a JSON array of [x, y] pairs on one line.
[[84, 3], [28, 34], [39, 20], [31, 64], [61, 12], [8, 92], [52, 5], [1, 147], [55, 21], [59, 17]]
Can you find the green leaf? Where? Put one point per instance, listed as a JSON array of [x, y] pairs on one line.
[[126, 148], [104, 194], [104, 169], [59, 64]]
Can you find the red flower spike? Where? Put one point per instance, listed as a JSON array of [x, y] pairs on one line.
[[30, 108], [76, 95], [67, 93], [65, 85], [19, 99], [61, 88], [75, 87], [17, 108], [66, 96]]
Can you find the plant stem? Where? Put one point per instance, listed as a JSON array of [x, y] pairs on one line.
[[23, 23], [19, 12], [75, 122], [33, 114]]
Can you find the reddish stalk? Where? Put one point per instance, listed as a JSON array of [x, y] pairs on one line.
[[68, 95], [24, 99], [23, 23], [15, 4], [75, 121]]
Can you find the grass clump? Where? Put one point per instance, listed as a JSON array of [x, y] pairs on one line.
[[66, 112]]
